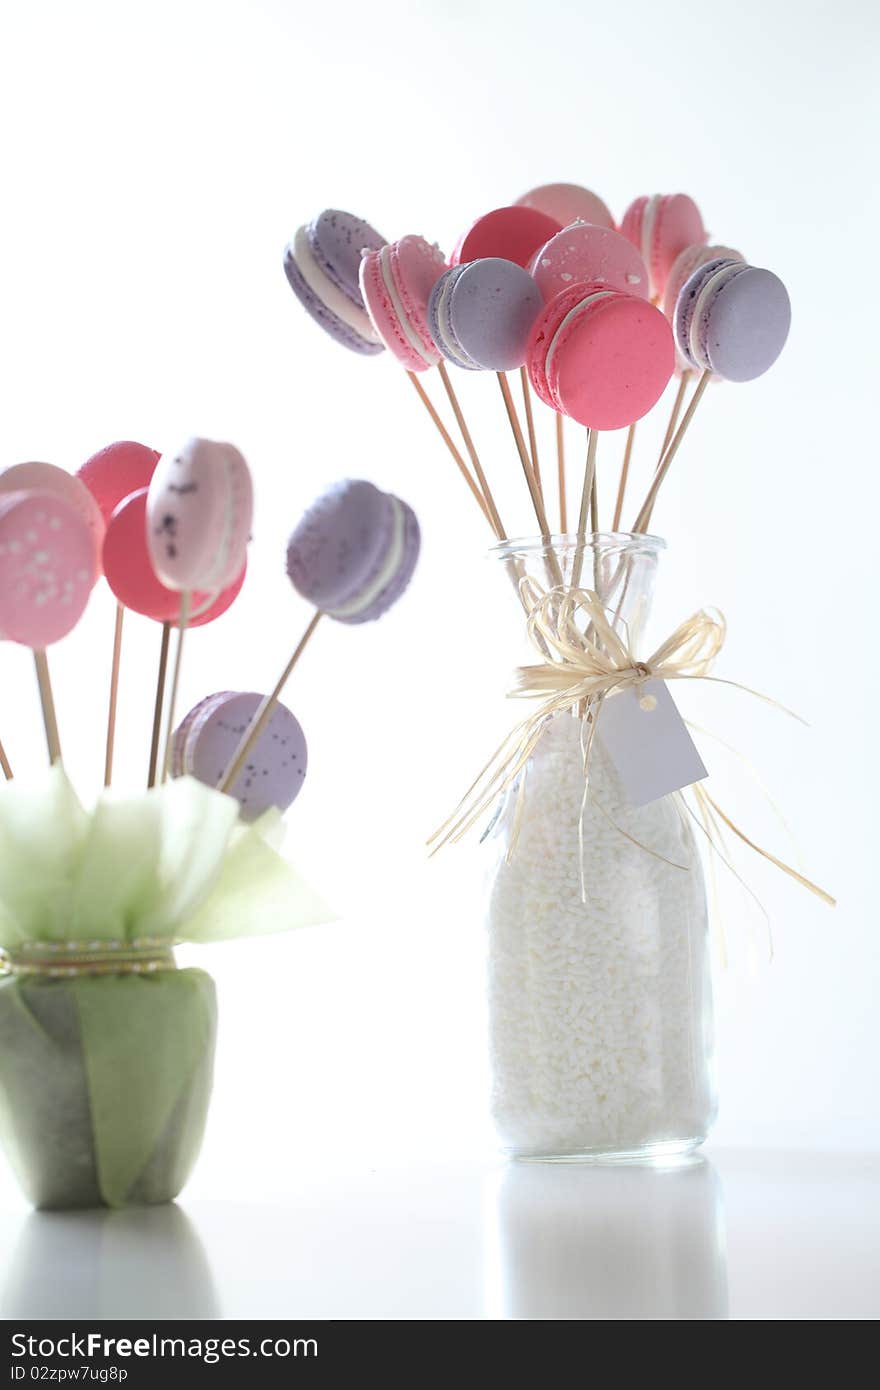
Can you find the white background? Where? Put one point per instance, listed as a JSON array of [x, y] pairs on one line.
[[156, 159]]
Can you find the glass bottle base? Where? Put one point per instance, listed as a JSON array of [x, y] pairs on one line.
[[672, 1152]]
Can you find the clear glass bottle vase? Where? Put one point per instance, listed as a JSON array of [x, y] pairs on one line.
[[600, 993]]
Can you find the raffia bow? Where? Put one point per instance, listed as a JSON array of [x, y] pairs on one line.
[[584, 661]]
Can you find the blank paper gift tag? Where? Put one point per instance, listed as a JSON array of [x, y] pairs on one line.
[[648, 742]]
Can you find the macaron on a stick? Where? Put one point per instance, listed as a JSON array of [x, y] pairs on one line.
[[207, 738], [731, 320], [567, 203], [110, 475], [603, 357], [322, 264], [352, 556], [396, 284], [199, 514], [661, 227], [47, 570], [480, 315]]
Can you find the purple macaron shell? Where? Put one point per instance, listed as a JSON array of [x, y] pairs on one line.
[[331, 323], [439, 322], [277, 763], [340, 550], [492, 308], [336, 240], [687, 303], [745, 323]]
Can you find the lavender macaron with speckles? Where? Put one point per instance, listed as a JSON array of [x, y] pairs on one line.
[[206, 741], [322, 264], [732, 319], [481, 314], [354, 552]]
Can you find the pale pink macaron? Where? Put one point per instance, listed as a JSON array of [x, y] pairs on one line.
[[199, 515], [396, 283], [47, 554], [567, 203], [587, 254], [661, 227], [600, 356], [22, 477]]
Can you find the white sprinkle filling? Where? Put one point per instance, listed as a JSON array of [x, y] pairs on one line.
[[600, 1012], [392, 563], [330, 295]]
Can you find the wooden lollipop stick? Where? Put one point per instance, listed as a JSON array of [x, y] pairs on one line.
[[674, 414], [47, 703], [560, 474], [4, 764], [182, 622], [516, 429], [448, 441], [261, 718], [588, 507], [647, 507], [530, 426], [624, 474], [472, 453], [114, 695], [160, 700]]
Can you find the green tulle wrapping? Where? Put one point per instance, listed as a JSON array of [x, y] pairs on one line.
[[105, 1079]]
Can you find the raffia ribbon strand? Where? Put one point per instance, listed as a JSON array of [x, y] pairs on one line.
[[586, 660]]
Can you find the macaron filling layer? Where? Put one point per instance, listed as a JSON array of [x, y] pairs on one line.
[[386, 269], [331, 296], [699, 324], [440, 320], [394, 558]]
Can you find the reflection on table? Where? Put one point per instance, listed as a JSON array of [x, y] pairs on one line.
[[628, 1242], [146, 1262]]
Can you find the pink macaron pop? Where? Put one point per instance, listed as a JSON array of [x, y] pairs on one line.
[[600, 356], [585, 254], [567, 203], [47, 555], [510, 234], [199, 514], [116, 472], [132, 579], [396, 283], [660, 227], [23, 477]]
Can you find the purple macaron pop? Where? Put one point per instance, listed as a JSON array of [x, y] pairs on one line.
[[322, 264], [207, 739], [732, 319], [481, 314], [354, 551]]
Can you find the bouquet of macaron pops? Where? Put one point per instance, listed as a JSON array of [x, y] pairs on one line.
[[597, 319], [106, 1047]]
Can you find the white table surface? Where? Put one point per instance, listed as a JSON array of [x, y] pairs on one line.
[[738, 1235]]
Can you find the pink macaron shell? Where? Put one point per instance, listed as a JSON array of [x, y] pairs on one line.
[[386, 301], [567, 203], [611, 362], [116, 471], [511, 234], [128, 567], [199, 514], [221, 604], [46, 567], [676, 224], [417, 265], [47, 477], [586, 254]]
